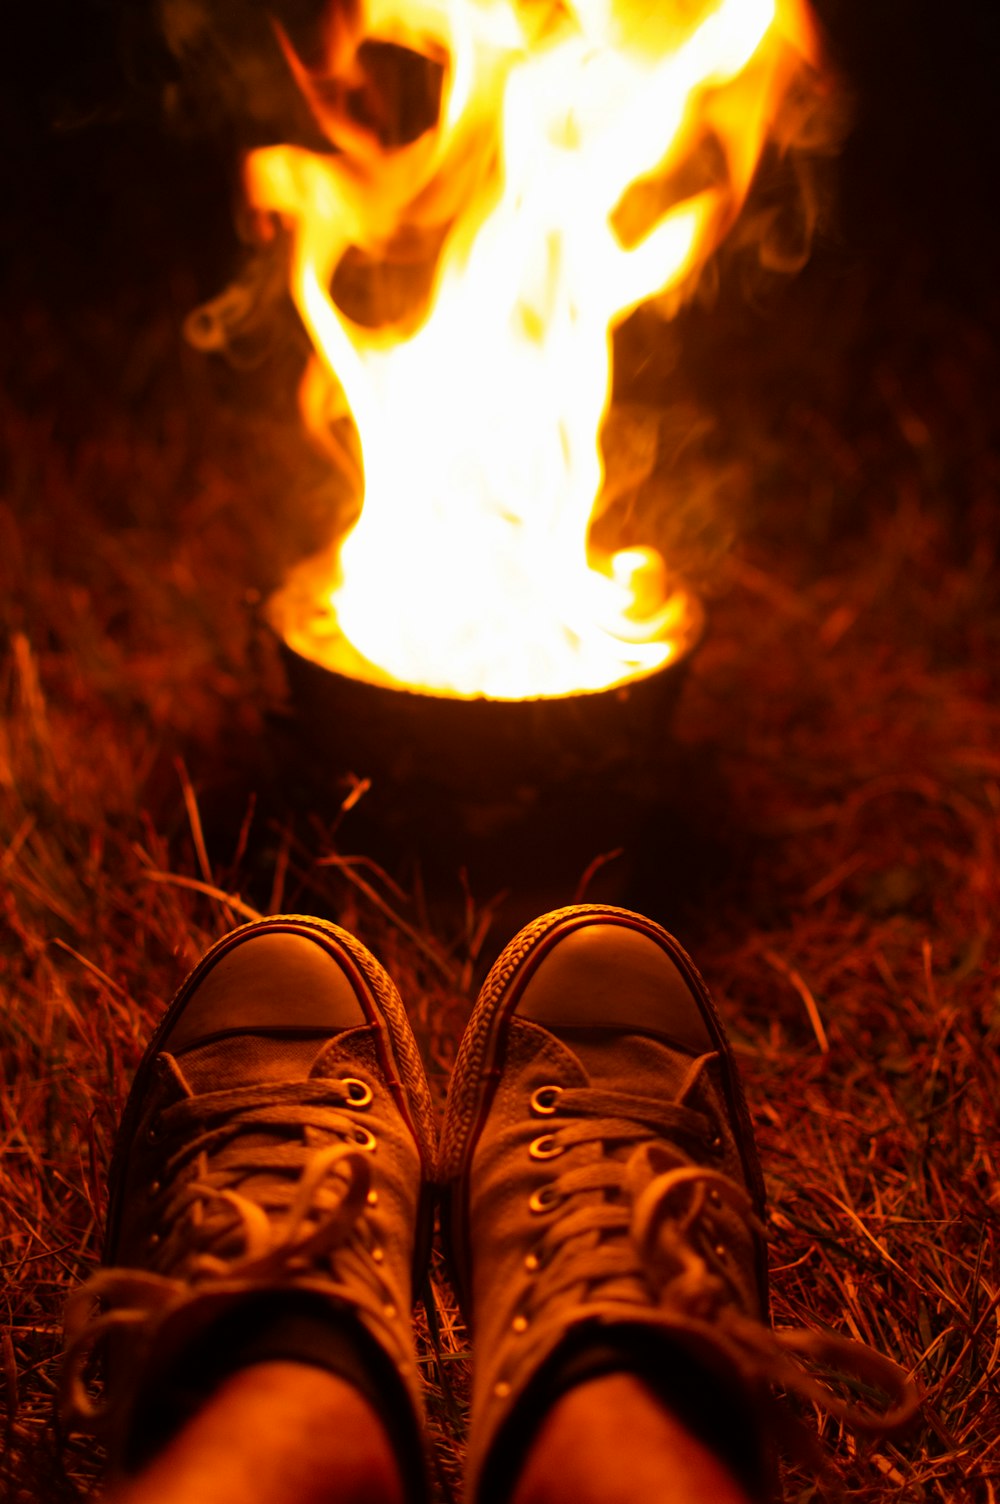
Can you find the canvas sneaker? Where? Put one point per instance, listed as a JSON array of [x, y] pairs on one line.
[[604, 1204], [269, 1192]]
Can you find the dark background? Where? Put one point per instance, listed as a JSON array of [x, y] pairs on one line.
[[116, 170], [84, 82]]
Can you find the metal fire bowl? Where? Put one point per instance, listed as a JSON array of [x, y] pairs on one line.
[[522, 795]]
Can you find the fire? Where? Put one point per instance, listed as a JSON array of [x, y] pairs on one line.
[[543, 198]]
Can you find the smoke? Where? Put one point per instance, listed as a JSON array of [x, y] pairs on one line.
[[230, 74], [793, 197]]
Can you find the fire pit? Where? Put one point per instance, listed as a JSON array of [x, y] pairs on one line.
[[496, 671], [520, 794]]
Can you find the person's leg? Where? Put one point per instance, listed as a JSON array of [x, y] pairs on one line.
[[269, 1202], [604, 1213], [613, 1441], [276, 1433]]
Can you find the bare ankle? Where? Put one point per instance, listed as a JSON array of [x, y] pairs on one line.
[[610, 1440], [279, 1432]]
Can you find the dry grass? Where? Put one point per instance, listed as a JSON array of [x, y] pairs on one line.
[[844, 868]]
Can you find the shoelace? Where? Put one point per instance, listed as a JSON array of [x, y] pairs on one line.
[[652, 1238], [312, 1205], [587, 1244]]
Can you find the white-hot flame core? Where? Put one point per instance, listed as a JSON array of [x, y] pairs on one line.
[[468, 570]]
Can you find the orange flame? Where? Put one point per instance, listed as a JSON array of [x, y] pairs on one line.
[[468, 571]]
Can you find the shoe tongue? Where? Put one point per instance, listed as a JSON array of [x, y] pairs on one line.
[[629, 1062], [347, 1052], [249, 1059]]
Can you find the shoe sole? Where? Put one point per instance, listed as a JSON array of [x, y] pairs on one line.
[[397, 1049], [477, 1069]]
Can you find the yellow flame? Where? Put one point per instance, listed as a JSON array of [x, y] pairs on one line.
[[468, 570]]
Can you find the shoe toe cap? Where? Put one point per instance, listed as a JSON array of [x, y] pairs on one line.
[[268, 979], [612, 975]]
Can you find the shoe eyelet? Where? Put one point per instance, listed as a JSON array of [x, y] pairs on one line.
[[155, 1131], [715, 1198], [378, 1254], [532, 1263], [721, 1253], [544, 1099], [153, 1189], [716, 1144], [544, 1199], [359, 1093], [519, 1324], [372, 1197], [545, 1147], [366, 1140], [390, 1311], [502, 1389], [153, 1241]]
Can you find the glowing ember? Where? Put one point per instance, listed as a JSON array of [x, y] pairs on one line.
[[539, 187]]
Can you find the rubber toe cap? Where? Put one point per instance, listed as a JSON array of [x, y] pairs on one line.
[[606, 975], [269, 980]]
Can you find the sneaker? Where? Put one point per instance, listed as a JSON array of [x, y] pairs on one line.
[[604, 1204], [269, 1192]]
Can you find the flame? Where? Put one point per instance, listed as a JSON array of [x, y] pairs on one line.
[[478, 407]]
